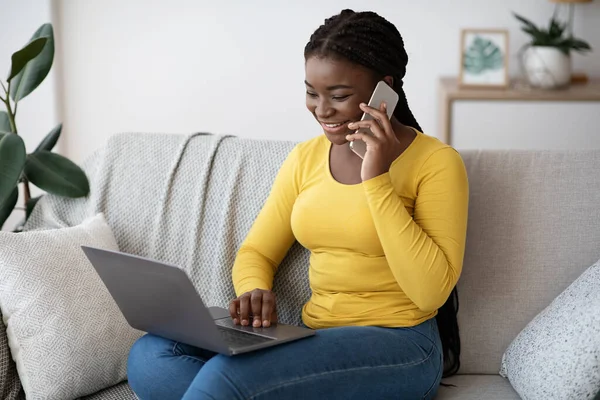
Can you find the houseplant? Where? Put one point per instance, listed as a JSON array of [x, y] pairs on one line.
[[547, 57], [48, 171]]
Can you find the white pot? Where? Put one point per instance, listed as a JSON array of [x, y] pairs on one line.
[[547, 67]]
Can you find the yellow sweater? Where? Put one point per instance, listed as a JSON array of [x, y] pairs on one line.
[[386, 252]]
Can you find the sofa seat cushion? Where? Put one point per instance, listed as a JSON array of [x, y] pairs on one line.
[[477, 387], [122, 391]]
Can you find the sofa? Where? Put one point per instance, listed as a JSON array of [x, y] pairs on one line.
[[190, 199]]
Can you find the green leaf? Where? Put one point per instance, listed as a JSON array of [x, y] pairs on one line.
[[526, 22], [12, 161], [56, 174], [30, 206], [37, 69], [4, 123], [26, 54], [579, 45], [8, 206], [556, 29], [50, 140]]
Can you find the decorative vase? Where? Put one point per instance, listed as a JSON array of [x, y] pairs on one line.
[[547, 67]]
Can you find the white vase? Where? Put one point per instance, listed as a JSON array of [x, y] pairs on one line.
[[547, 67]]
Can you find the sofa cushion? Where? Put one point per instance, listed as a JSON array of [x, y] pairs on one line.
[[122, 391], [65, 332], [533, 229], [557, 355], [477, 387], [10, 385]]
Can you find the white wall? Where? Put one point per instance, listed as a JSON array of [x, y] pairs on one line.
[[37, 113], [237, 67]]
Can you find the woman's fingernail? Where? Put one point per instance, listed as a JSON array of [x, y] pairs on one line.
[[236, 321], [244, 322], [256, 323], [266, 323]]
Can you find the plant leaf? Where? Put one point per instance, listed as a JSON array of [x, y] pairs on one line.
[[579, 45], [556, 29], [37, 69], [56, 174], [50, 140], [12, 161], [8, 206], [526, 22], [26, 54], [30, 206], [4, 123]]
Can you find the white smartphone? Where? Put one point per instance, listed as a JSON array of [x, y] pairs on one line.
[[382, 93]]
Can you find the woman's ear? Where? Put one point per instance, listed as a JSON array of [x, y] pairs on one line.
[[389, 80]]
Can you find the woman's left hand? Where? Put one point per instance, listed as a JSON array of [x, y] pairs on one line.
[[383, 147]]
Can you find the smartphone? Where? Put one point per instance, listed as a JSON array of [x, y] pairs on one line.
[[382, 93]]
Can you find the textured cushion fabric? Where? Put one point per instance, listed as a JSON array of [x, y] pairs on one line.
[[65, 332], [122, 391], [190, 201], [477, 387], [533, 229], [10, 385], [557, 355]]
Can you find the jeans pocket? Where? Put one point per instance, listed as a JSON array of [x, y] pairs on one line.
[[427, 330]]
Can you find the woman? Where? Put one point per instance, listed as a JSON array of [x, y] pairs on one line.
[[386, 235]]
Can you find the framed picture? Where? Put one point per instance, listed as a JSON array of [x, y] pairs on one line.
[[484, 58]]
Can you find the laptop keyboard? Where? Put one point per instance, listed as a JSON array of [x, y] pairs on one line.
[[241, 339]]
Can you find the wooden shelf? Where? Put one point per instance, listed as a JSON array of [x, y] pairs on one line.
[[450, 91]]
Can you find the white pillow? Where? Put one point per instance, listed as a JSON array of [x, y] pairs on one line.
[[557, 355], [65, 332]]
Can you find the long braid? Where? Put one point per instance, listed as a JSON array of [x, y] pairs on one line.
[[370, 40]]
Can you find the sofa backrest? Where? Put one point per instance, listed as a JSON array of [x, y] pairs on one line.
[[534, 227], [533, 223]]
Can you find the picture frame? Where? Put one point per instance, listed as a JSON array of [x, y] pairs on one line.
[[484, 57]]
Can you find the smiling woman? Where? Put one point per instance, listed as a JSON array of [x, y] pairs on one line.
[[386, 235]]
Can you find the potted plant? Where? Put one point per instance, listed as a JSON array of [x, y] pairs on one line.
[[547, 57], [50, 172]]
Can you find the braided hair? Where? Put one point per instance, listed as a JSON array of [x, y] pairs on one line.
[[367, 39]]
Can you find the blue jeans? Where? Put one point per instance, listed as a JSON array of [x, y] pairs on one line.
[[337, 363]]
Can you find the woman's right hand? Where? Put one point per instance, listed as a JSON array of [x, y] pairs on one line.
[[257, 306]]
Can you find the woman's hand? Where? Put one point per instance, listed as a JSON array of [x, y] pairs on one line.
[[382, 148], [258, 305]]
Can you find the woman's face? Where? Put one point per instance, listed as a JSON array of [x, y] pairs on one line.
[[334, 90]]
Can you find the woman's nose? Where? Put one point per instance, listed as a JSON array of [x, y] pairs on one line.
[[324, 110]]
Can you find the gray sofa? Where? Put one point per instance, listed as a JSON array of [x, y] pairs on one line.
[[533, 228]]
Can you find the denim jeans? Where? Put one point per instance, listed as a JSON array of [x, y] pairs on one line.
[[337, 363]]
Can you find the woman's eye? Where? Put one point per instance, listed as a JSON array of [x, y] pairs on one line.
[[311, 94], [340, 98]]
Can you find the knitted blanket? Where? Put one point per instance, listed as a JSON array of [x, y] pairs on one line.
[[188, 200]]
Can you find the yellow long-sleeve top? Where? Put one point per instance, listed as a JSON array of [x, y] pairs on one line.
[[385, 252]]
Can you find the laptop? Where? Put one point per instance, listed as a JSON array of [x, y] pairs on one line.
[[160, 299]]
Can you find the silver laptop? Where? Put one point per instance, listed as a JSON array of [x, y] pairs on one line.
[[160, 299]]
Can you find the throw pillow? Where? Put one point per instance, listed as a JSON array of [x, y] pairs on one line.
[[65, 332], [557, 355]]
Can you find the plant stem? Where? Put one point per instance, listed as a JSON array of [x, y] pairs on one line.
[[11, 116], [5, 92], [26, 192], [13, 128]]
